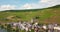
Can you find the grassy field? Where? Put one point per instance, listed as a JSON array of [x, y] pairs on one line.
[[46, 15]]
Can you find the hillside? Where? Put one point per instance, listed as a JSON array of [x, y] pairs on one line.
[[46, 15]]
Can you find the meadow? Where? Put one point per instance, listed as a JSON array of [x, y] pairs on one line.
[[45, 15]]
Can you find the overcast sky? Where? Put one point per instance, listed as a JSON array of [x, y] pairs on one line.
[[26, 4]]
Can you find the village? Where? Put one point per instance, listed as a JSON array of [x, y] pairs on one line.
[[32, 26]]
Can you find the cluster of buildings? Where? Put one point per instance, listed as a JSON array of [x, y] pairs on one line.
[[36, 27]]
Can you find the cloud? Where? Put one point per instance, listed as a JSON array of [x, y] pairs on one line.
[[49, 2], [44, 1], [7, 7], [41, 4], [29, 6], [26, 6]]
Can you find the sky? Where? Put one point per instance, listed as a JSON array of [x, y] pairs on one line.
[[26, 4]]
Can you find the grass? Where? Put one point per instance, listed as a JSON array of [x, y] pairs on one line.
[[44, 15]]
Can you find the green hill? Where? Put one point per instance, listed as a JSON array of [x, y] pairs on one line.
[[46, 15]]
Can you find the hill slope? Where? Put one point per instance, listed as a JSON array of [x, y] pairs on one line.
[[47, 15]]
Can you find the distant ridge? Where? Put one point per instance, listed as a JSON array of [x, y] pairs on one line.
[[57, 6]]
